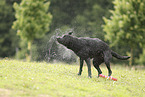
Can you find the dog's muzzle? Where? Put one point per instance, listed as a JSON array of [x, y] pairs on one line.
[[59, 39]]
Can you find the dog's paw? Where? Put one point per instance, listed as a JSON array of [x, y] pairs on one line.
[[99, 75], [89, 76], [79, 74]]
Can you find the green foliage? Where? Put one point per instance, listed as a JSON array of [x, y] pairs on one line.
[[64, 11], [61, 80], [85, 16], [22, 52], [141, 59], [8, 39], [126, 26], [33, 19], [89, 22]]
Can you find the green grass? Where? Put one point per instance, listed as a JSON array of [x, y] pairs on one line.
[[33, 79]]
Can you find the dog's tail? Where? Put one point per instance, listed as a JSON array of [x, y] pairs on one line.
[[114, 54]]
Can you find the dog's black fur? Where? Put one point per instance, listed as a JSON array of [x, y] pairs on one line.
[[88, 48]]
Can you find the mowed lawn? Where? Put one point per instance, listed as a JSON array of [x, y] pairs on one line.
[[33, 79]]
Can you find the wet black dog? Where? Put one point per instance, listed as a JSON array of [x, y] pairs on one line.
[[88, 48]]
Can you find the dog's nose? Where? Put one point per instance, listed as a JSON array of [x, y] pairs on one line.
[[58, 38]]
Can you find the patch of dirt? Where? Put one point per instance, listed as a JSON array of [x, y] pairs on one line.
[[5, 93]]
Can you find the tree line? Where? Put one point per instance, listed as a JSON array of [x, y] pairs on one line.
[[120, 23]]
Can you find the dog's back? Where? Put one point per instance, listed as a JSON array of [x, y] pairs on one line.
[[86, 47], [93, 43]]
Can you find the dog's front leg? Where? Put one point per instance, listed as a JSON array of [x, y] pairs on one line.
[[88, 61], [81, 66]]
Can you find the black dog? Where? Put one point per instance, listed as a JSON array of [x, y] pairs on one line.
[[87, 48]]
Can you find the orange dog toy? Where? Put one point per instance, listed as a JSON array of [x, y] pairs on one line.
[[110, 77]]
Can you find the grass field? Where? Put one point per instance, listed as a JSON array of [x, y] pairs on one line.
[[33, 79]]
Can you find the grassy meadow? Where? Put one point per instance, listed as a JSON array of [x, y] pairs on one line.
[[40, 79]]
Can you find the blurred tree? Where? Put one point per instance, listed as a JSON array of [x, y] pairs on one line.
[[126, 26], [141, 59], [88, 23], [8, 39], [64, 11], [12, 1], [33, 20]]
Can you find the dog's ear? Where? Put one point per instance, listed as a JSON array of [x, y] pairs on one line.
[[70, 32]]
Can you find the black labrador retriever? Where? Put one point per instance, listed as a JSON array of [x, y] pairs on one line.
[[88, 48]]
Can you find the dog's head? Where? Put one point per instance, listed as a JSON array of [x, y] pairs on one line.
[[65, 39]]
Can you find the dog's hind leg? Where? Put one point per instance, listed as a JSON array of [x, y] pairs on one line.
[[81, 66], [88, 61], [96, 63], [107, 57]]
